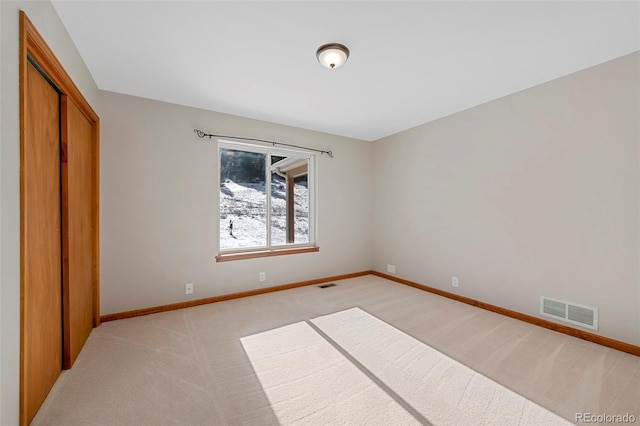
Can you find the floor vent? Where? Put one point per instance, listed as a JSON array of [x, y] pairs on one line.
[[584, 316], [327, 285]]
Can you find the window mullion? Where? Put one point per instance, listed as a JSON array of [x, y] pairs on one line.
[[267, 171]]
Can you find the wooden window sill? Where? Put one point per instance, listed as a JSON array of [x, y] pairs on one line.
[[265, 253]]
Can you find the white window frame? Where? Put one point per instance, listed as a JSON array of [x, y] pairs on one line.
[[311, 182]]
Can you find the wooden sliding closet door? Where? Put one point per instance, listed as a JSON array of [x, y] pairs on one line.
[[59, 220], [77, 240], [41, 234]]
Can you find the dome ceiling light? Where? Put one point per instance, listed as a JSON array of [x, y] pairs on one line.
[[332, 55]]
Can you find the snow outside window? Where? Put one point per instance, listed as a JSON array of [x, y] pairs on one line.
[[266, 198]]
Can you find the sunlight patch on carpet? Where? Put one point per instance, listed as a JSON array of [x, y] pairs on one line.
[[383, 376], [307, 381]]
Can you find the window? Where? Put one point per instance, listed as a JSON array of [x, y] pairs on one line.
[[266, 199]]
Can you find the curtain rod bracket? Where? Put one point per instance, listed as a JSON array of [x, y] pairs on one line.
[[203, 135]]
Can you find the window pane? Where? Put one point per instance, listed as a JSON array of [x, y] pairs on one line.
[[243, 200], [289, 200]]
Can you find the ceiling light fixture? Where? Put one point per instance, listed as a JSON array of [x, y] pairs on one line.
[[332, 55]]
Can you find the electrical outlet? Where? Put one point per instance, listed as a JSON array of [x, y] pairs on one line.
[[391, 268], [263, 276], [454, 281], [188, 288]]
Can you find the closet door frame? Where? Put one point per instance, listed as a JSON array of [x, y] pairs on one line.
[[33, 46]]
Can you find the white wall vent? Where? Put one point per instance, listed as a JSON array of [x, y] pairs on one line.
[[584, 316]]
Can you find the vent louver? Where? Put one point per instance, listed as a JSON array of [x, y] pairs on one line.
[[584, 316], [327, 285]]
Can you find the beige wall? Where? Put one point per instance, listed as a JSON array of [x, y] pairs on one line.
[[159, 206], [536, 193], [44, 17]]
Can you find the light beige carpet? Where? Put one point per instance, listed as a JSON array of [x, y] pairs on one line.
[[352, 368], [443, 390], [189, 367], [308, 382]]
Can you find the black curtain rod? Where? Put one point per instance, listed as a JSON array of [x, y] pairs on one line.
[[202, 134]]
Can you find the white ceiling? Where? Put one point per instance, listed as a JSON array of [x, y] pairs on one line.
[[411, 62]]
